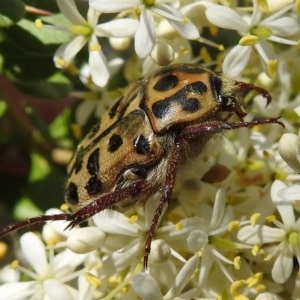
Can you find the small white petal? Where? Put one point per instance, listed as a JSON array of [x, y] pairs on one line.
[[98, 65], [260, 234], [66, 262], [284, 26], [282, 268], [84, 240], [92, 17], [236, 60], [34, 252], [146, 287], [114, 222], [290, 193], [69, 9], [17, 290], [183, 277], [160, 252], [289, 150], [218, 209], [145, 36], [227, 18], [110, 6], [186, 29], [56, 290], [117, 28], [284, 208], [67, 51]]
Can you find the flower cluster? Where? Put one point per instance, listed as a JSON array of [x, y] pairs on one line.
[[232, 230]]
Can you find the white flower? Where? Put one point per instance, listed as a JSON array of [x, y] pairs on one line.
[[49, 275], [282, 241], [145, 37], [86, 32], [255, 31]]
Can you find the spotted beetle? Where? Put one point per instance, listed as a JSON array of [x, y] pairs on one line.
[[144, 138]]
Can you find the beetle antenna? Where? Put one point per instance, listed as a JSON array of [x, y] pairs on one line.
[[34, 221]]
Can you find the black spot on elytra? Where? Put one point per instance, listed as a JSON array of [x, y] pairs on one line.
[[93, 186], [94, 130], [114, 143], [71, 194], [162, 108], [141, 145], [166, 83], [113, 110], [78, 161], [93, 162]]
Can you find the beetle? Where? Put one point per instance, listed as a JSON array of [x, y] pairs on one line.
[[141, 141]]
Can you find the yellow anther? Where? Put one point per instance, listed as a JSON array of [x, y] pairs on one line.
[[255, 250], [233, 225], [38, 24], [268, 257], [60, 62], [179, 226], [237, 261], [14, 264], [271, 218], [248, 40], [93, 280], [255, 218], [272, 67], [261, 32], [95, 47], [236, 286], [133, 219]]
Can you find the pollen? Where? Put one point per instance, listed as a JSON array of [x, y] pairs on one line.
[[133, 219], [255, 218], [254, 280]]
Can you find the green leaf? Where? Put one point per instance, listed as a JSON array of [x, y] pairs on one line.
[[11, 11], [39, 167], [25, 209], [48, 35]]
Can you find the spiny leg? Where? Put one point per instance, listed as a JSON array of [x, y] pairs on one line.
[[166, 197], [35, 221], [212, 127], [106, 201]]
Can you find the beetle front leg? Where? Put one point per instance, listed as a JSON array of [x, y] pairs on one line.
[[212, 127]]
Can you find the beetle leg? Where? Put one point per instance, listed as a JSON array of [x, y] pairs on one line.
[[212, 127], [166, 197], [243, 86], [106, 201], [35, 221]]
